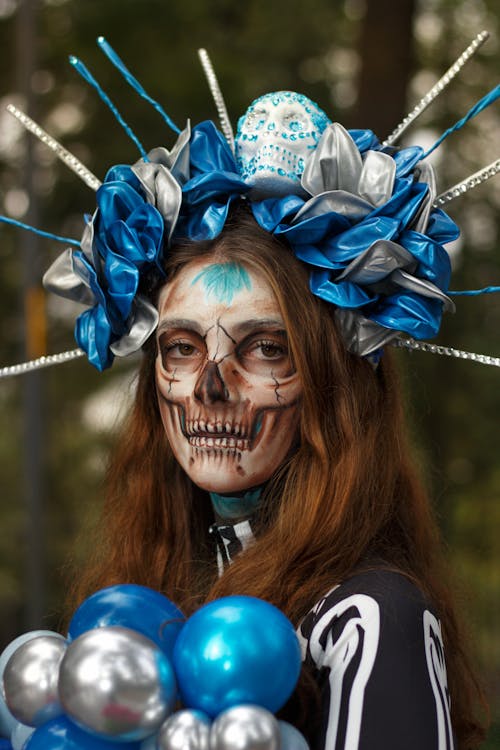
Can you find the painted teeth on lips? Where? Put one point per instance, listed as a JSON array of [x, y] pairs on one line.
[[198, 427], [218, 442]]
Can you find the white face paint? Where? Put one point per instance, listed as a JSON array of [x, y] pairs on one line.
[[227, 391], [275, 137]]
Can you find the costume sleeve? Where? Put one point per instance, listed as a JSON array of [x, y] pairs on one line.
[[377, 652]]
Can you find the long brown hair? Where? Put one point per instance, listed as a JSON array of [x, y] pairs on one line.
[[348, 496]]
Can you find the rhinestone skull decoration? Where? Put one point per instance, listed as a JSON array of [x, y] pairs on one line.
[[275, 136]]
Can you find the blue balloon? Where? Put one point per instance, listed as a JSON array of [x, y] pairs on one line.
[[131, 606], [62, 734], [234, 650]]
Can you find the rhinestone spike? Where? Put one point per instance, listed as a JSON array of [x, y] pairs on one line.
[[468, 183], [65, 156], [446, 351], [41, 362], [214, 87], [437, 88]]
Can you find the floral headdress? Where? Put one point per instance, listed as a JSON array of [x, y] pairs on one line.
[[362, 215]]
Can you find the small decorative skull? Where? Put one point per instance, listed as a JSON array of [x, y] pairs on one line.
[[275, 136]]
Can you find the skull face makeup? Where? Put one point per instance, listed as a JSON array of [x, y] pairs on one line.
[[227, 390], [275, 136]]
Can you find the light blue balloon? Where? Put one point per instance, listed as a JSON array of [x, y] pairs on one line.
[[291, 738], [235, 650], [62, 734], [130, 606], [150, 743], [20, 735], [7, 721]]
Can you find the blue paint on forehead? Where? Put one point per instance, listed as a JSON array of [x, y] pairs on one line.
[[222, 281]]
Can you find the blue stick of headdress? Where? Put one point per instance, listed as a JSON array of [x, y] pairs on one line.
[[132, 81], [40, 232], [87, 76], [490, 97]]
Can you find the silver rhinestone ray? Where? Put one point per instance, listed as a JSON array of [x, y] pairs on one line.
[[63, 154], [446, 351], [437, 88], [400, 343], [41, 362], [468, 184], [216, 92]]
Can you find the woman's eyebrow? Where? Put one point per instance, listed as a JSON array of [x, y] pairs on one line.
[[253, 324], [167, 324]]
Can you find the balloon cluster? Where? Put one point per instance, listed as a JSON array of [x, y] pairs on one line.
[[134, 674]]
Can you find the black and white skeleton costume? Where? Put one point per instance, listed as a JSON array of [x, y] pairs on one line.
[[375, 649]]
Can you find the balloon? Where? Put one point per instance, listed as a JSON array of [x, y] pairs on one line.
[[185, 730], [245, 728], [116, 683], [291, 738], [30, 680], [20, 735], [234, 650], [7, 721], [62, 734], [131, 606], [149, 743]]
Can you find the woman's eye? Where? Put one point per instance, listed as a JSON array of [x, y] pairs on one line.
[[184, 349], [178, 353], [180, 350], [266, 356], [270, 350]]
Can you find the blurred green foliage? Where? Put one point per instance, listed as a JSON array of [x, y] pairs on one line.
[[256, 47]]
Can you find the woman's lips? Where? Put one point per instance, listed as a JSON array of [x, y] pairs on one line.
[[210, 441]]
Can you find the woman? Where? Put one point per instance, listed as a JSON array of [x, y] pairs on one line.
[[259, 442]]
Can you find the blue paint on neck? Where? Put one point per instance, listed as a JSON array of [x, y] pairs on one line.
[[222, 281], [231, 508]]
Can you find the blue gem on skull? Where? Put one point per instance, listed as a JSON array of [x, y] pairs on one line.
[[280, 128]]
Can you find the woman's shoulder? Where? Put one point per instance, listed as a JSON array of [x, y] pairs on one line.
[[390, 593], [374, 644], [383, 605]]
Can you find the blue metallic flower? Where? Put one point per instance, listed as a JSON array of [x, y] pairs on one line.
[[127, 241], [213, 185], [369, 233]]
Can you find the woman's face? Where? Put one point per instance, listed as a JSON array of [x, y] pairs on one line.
[[227, 390]]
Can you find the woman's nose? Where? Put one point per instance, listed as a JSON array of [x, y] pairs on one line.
[[210, 386]]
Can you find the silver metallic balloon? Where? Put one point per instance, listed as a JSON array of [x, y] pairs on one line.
[[245, 727], [185, 730], [7, 721], [291, 738], [116, 683], [30, 680]]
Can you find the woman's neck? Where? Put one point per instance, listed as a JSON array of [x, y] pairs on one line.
[[236, 507]]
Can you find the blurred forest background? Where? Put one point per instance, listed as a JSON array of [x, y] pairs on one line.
[[366, 62]]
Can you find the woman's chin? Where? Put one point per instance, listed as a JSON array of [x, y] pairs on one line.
[[222, 485]]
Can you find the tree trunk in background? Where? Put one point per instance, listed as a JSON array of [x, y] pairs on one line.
[[386, 49]]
